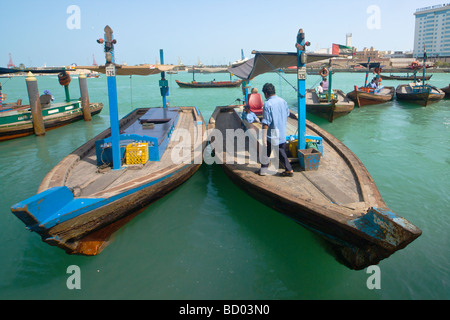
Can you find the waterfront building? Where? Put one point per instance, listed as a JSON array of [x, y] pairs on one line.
[[432, 30]]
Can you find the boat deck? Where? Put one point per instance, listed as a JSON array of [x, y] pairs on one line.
[[335, 185], [87, 180]]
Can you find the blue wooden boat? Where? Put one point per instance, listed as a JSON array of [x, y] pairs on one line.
[[83, 194], [109, 179]]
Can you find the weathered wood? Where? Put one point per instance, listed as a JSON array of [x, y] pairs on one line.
[[115, 194], [333, 201]]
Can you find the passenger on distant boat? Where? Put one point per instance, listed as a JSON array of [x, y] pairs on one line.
[[46, 98], [325, 84], [319, 89], [275, 115]]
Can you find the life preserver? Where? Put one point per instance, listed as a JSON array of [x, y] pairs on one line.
[[378, 70], [324, 72], [414, 64], [64, 78]]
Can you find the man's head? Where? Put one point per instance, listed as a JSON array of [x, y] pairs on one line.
[[268, 90]]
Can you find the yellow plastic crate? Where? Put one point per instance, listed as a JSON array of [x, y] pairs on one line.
[[137, 153], [293, 148]]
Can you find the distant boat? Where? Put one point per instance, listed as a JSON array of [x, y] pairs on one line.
[[331, 104], [363, 96], [16, 119], [405, 78], [209, 84], [339, 105], [419, 93]]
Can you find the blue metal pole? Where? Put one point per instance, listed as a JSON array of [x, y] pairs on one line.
[[163, 83], [301, 96], [114, 119], [110, 70]]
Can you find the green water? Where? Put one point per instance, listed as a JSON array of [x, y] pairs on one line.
[[208, 239]]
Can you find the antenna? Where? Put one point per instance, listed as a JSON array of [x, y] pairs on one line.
[[11, 63], [94, 63]]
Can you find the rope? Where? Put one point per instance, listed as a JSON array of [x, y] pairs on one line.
[[279, 71]]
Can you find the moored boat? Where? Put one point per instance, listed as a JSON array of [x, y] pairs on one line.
[[404, 78], [329, 191], [368, 95], [319, 104], [420, 94], [16, 120], [339, 201], [105, 182], [364, 96]]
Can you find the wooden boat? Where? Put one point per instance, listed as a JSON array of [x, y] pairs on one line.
[[338, 106], [404, 78], [419, 94], [209, 84], [339, 201], [364, 96], [90, 193], [82, 195], [16, 119]]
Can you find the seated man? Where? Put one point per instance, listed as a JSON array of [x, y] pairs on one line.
[[319, 89], [46, 98], [249, 116]]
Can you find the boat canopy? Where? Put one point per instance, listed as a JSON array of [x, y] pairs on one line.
[[371, 65], [142, 70], [265, 61]]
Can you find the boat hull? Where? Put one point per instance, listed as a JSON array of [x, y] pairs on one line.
[[79, 204], [351, 215], [362, 98], [405, 78], [18, 122], [212, 84], [405, 93]]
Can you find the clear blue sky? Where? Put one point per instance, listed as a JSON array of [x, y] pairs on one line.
[[35, 32]]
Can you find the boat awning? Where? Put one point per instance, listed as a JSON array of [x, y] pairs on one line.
[[371, 65], [265, 61], [142, 70]]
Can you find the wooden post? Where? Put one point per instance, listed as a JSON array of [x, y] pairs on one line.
[[84, 97], [35, 105]]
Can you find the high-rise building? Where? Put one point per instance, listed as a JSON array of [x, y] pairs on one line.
[[432, 31]]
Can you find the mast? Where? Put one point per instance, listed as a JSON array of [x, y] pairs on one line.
[[301, 96], [110, 67]]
